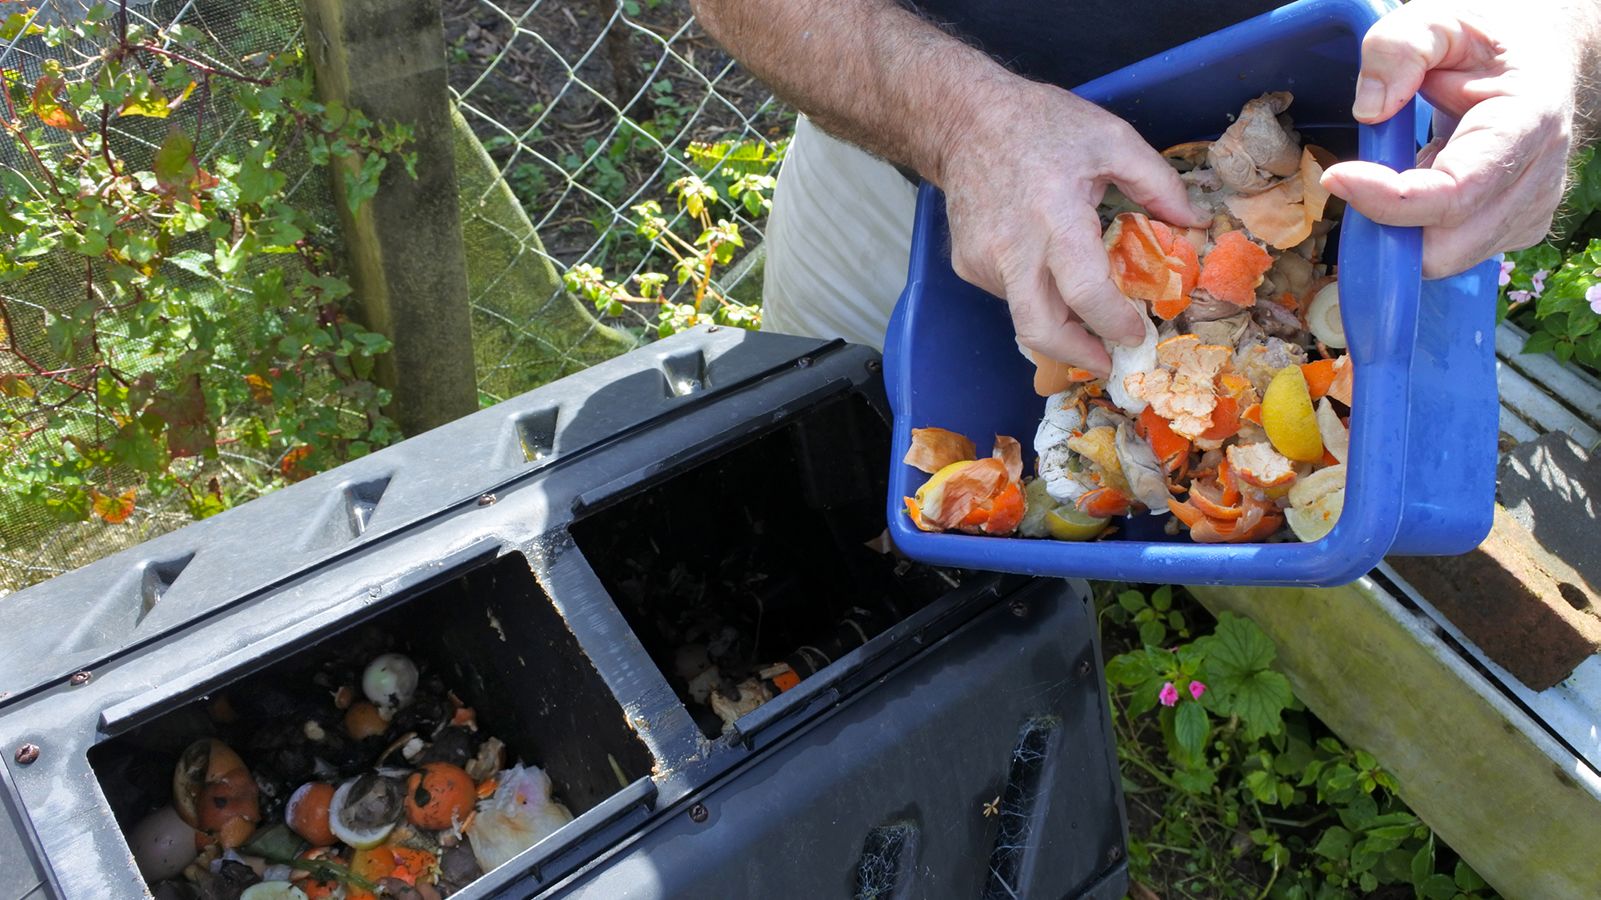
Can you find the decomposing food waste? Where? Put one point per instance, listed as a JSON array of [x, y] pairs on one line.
[[1232, 414], [384, 785]]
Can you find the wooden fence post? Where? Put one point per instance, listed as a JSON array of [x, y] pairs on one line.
[[404, 247]]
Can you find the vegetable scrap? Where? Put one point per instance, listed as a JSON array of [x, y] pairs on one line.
[[1233, 415], [384, 787]]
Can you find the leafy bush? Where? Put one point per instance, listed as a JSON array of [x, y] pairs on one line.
[[1235, 790], [211, 315], [1553, 289], [730, 175]]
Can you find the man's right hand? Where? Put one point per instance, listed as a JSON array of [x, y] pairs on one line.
[[1022, 179]]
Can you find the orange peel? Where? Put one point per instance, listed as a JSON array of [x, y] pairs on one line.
[[1234, 268], [933, 449]]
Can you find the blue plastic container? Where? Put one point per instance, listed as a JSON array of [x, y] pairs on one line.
[[1424, 418]]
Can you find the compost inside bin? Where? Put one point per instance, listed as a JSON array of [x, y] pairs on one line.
[[750, 572], [402, 757]]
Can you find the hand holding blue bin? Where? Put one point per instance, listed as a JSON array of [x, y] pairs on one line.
[[1423, 425]]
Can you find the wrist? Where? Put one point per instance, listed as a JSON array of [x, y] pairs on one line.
[[963, 119]]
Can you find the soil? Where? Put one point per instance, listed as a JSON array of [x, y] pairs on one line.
[[513, 65]]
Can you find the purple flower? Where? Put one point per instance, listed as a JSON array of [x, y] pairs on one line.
[[1519, 297], [1592, 295], [1197, 689], [1538, 279], [1169, 694], [1507, 266]]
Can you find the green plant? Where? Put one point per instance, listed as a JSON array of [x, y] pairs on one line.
[[731, 175], [1238, 791], [1553, 289], [210, 316]]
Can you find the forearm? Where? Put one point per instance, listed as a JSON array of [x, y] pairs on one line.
[[1585, 19], [867, 71]]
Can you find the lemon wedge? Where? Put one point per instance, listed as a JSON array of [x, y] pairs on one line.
[[1069, 523], [1288, 417]]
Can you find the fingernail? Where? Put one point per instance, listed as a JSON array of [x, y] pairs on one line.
[[1369, 98], [1132, 340]]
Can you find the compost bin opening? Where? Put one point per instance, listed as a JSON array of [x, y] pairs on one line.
[[489, 638], [750, 572]]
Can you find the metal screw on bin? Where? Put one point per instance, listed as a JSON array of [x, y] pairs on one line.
[[26, 754], [804, 362], [1114, 854], [1084, 668], [698, 813], [487, 500], [1019, 608], [874, 365], [80, 678], [713, 328]]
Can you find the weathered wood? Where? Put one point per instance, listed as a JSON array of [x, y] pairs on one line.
[[1577, 389], [1519, 807], [1535, 405], [407, 264]]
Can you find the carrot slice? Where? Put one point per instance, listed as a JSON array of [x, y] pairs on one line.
[[1185, 512], [1206, 498], [1052, 377], [1328, 458], [1231, 484], [1253, 414], [1234, 268], [1319, 376], [1171, 449], [1140, 265], [1340, 389], [1006, 511], [1105, 502], [1225, 419]]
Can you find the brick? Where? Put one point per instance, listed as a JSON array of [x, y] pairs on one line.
[[1526, 609]]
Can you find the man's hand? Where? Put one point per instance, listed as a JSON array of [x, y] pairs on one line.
[[1022, 164], [1021, 183], [1507, 76]]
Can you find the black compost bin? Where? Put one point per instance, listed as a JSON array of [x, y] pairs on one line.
[[659, 582]]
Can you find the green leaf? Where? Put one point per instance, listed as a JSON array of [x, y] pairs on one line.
[[20, 24], [174, 165], [147, 101], [1153, 633], [1437, 887], [1540, 342], [1465, 877], [256, 179], [1238, 654], [1133, 601], [49, 108], [1335, 844], [1162, 598], [1190, 728]]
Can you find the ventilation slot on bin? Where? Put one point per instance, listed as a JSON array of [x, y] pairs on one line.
[[685, 373], [496, 660], [1019, 802], [532, 437], [888, 855], [348, 514], [122, 609], [751, 572]]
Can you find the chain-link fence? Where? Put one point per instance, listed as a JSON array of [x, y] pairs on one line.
[[581, 109], [587, 108], [230, 36]]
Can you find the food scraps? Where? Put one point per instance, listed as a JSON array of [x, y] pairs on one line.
[[1232, 415]]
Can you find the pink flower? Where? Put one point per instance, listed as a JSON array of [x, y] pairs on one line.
[[1519, 297], [1169, 694], [1507, 266], [1197, 689], [1538, 279], [1592, 295]]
